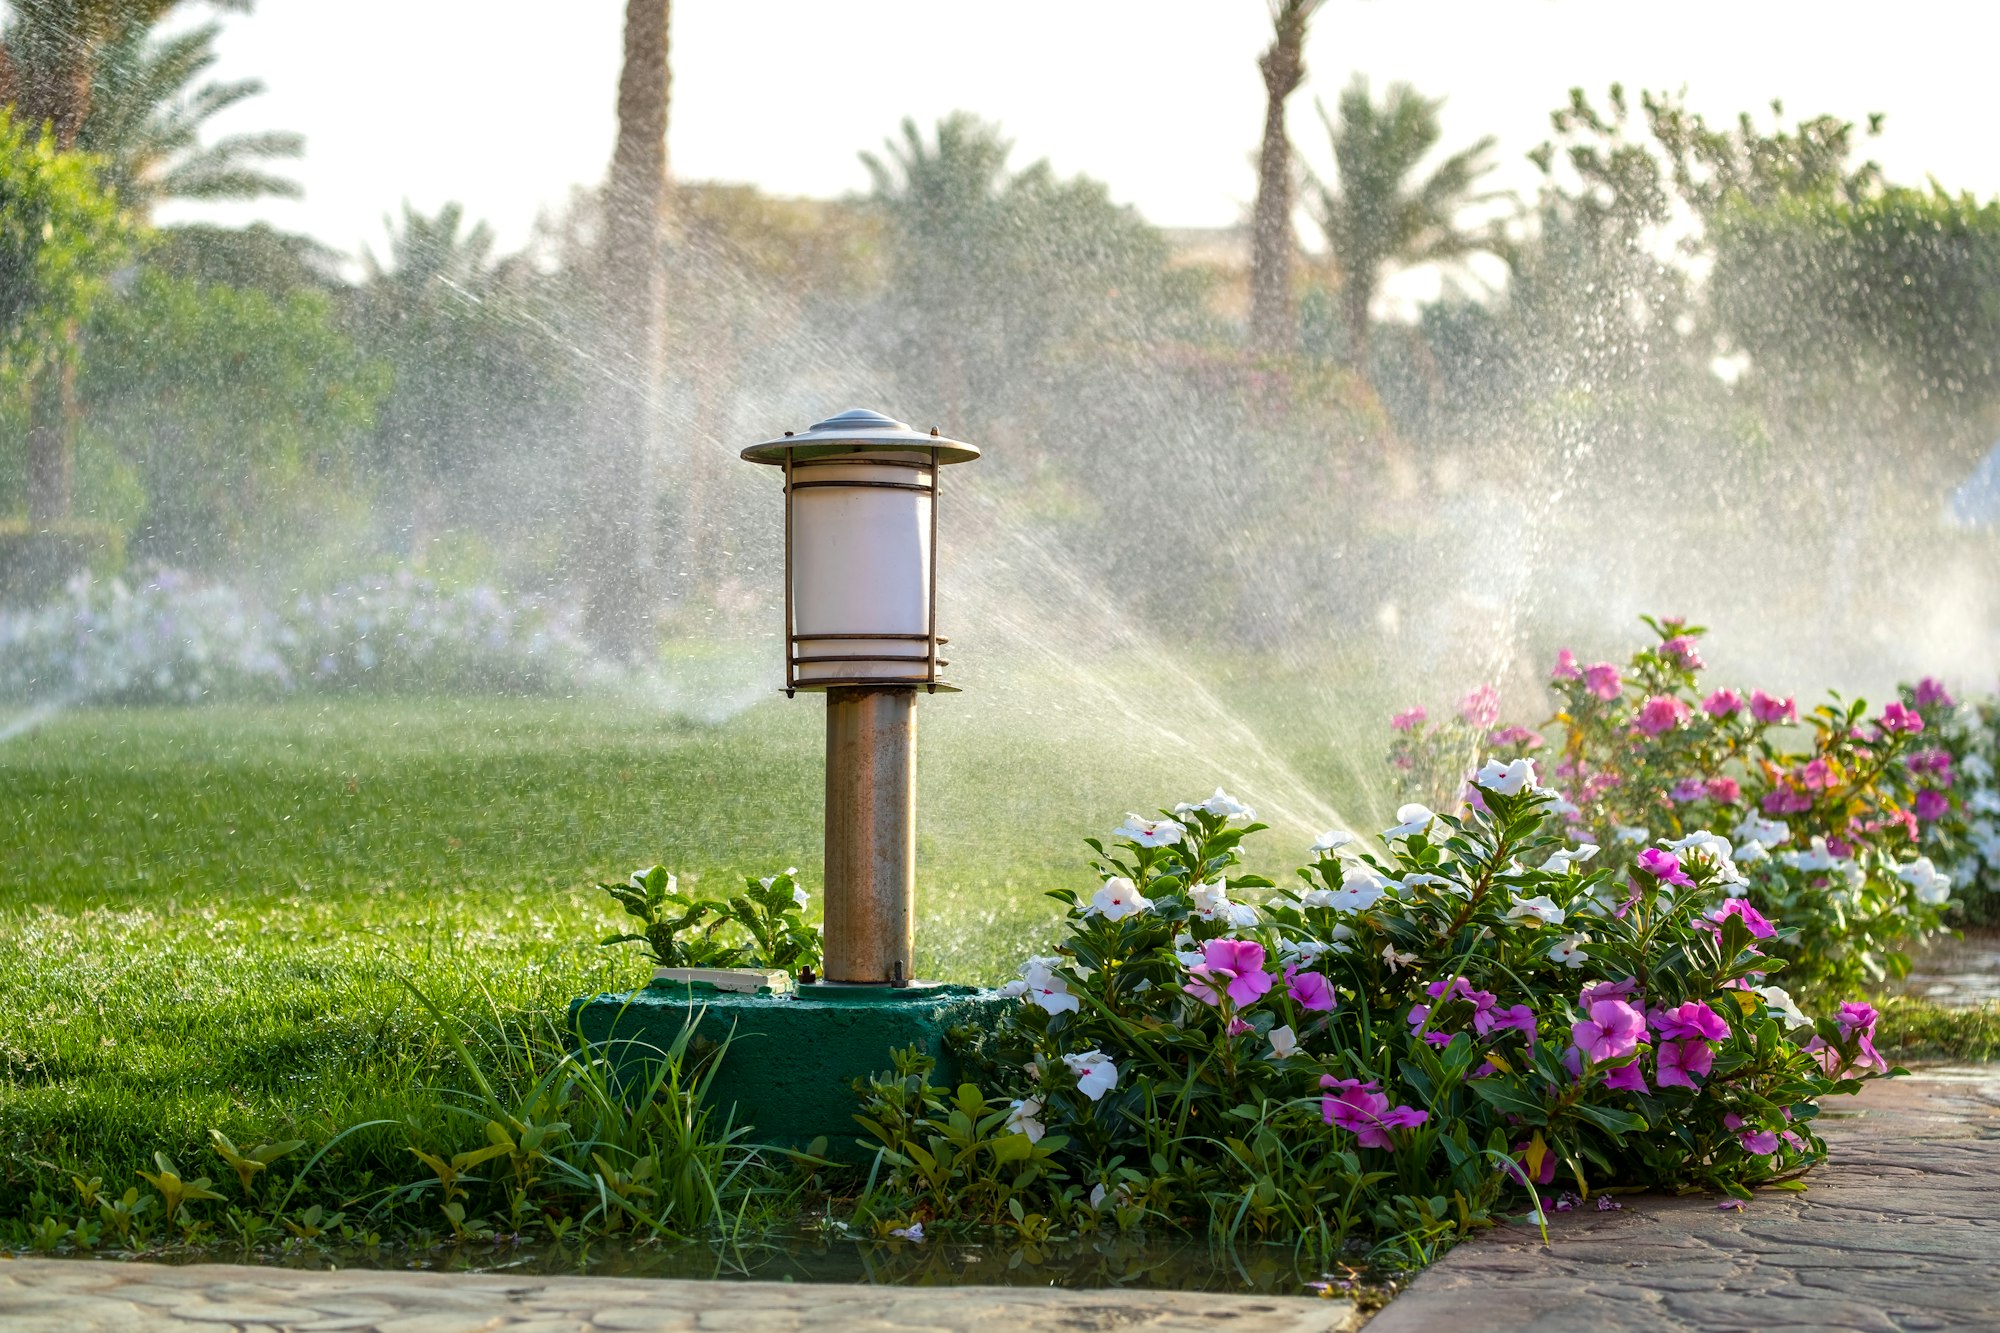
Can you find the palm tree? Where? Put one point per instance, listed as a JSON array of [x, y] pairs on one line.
[[1273, 316], [146, 120], [1377, 216]]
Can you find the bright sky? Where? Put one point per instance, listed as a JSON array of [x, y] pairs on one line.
[[504, 104]]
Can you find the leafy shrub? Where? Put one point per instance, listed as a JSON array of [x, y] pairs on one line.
[[763, 926], [1971, 744], [1392, 1044], [1834, 815]]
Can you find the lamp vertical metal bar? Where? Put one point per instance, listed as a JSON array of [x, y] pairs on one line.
[[871, 833], [791, 643], [931, 623]]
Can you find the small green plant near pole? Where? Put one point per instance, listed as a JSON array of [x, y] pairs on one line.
[[687, 931]]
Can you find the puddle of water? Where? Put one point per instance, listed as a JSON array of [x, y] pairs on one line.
[[1958, 974], [1092, 1262]]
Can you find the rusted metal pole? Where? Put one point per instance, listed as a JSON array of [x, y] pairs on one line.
[[871, 833]]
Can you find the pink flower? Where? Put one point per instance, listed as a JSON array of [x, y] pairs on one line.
[[1840, 846], [1614, 1028], [1723, 791], [1481, 707], [1723, 703], [1309, 990], [1362, 1110], [1681, 651], [1234, 966], [1237, 1027], [1765, 708], [1565, 667], [1816, 776], [1664, 866], [1786, 801], [1760, 929], [1409, 719], [1627, 1078], [1662, 712], [1691, 1020], [1936, 763], [1895, 717], [1932, 805], [1857, 1024], [1758, 1142], [1518, 1017], [1688, 789], [1598, 991], [1517, 735], [1603, 681], [1683, 1061], [1930, 692]]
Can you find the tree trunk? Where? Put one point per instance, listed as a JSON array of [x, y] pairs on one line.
[[51, 430], [620, 613], [1274, 322]]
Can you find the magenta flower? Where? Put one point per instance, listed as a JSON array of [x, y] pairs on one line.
[[1682, 1062], [1614, 1028], [1627, 1078], [1237, 1027], [1309, 990], [1723, 791], [1518, 1017], [1786, 801], [1816, 776], [1232, 966], [1687, 789], [1517, 735], [1760, 928], [1936, 763], [1895, 717], [1409, 719], [1481, 707], [1661, 713], [1759, 1142], [1723, 703], [1548, 1171], [1363, 1111], [1598, 991], [1932, 805], [1603, 681], [1665, 867], [1681, 651], [1565, 667], [1766, 708], [1930, 692], [1689, 1021], [1857, 1023]]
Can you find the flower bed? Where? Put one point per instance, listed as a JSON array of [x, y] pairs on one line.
[[173, 638]]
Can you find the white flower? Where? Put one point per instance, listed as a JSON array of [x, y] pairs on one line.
[[1977, 768], [1985, 836], [1561, 808], [1782, 1004], [1422, 878], [1095, 1074], [1284, 1043], [1932, 888], [1414, 822], [1757, 830], [1014, 990], [1541, 908], [1150, 832], [1046, 988], [1359, 890], [1118, 899], [1631, 833], [1560, 863], [1023, 1117], [1221, 805], [1330, 841], [1186, 950], [1749, 854], [912, 1232], [1211, 903], [769, 880], [1506, 779], [1395, 960], [1816, 858], [802, 898], [1569, 952], [1712, 848], [1984, 801]]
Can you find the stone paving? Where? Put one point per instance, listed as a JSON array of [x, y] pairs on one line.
[[1901, 1230]]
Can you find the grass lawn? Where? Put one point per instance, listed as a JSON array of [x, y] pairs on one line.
[[211, 911]]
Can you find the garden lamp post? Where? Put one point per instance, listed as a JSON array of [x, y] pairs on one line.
[[861, 626]]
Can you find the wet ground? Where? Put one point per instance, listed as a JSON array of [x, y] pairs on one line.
[[1958, 973]]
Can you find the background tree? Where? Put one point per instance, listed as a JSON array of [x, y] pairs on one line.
[[620, 611], [1273, 314], [1377, 215]]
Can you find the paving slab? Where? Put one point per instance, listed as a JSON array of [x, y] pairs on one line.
[[94, 1296], [1899, 1231]]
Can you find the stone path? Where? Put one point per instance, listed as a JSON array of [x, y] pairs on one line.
[[84, 1296], [1900, 1231]]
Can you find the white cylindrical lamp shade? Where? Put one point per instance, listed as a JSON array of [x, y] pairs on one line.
[[861, 555]]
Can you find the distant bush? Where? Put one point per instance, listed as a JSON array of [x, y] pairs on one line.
[[169, 637]]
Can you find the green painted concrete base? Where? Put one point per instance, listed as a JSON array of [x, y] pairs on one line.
[[793, 1059]]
